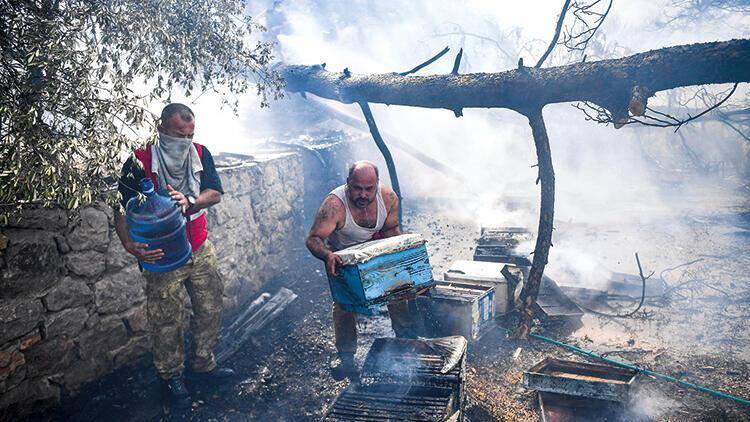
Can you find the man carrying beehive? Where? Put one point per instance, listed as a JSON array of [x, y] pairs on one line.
[[354, 213]]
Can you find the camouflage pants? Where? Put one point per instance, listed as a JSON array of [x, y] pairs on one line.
[[345, 325], [165, 300]]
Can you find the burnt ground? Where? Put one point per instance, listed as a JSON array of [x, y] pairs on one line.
[[698, 331]]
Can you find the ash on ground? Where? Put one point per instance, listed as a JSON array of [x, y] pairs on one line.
[[697, 331]]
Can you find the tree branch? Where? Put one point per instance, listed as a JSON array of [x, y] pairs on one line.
[[579, 41], [553, 43], [457, 62], [656, 118], [386, 155], [531, 286], [734, 128], [427, 63], [404, 146]]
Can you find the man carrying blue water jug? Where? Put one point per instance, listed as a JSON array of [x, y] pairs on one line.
[[185, 171], [354, 213]]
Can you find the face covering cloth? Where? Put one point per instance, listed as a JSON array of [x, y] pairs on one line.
[[176, 162]]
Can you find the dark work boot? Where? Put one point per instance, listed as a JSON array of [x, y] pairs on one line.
[[179, 394], [346, 367], [214, 375]]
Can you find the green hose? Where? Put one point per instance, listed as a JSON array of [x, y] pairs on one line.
[[635, 368]]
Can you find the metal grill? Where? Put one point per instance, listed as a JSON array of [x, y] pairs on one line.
[[418, 362], [392, 402]]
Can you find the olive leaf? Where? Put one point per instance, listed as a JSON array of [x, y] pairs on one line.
[[69, 106]]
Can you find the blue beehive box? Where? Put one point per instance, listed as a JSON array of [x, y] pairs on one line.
[[381, 271]]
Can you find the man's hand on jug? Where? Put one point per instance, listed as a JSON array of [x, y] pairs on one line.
[[179, 197], [332, 261], [139, 251]]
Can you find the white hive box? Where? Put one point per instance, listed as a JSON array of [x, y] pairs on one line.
[[484, 273]]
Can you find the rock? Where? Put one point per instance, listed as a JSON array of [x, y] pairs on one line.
[[30, 395], [5, 357], [137, 320], [51, 356], [87, 263], [238, 179], [70, 292], [29, 340], [67, 323], [106, 209], [32, 263], [93, 320], [230, 303], [108, 335], [221, 215], [14, 378], [117, 257], [135, 347], [41, 218], [10, 379], [92, 232], [18, 317], [84, 371], [17, 360], [62, 244], [119, 292]]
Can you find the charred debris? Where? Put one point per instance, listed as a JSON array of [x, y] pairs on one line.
[[425, 379]]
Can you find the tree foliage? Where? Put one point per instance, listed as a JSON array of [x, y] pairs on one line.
[[77, 76], [685, 12]]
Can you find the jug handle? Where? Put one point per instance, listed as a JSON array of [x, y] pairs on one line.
[[176, 204]]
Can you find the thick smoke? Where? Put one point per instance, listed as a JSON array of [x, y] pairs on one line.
[[618, 178], [612, 186], [621, 179]]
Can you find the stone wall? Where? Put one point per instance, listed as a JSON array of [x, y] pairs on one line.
[[259, 222], [72, 304]]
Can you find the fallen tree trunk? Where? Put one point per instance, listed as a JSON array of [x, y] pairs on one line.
[[609, 83]]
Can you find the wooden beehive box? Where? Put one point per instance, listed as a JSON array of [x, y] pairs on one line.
[[601, 382], [457, 308], [381, 271], [485, 273]]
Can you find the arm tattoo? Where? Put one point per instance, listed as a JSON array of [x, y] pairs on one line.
[[317, 247], [323, 219]]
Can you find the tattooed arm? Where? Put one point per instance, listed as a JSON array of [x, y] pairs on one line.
[[330, 217], [391, 226]]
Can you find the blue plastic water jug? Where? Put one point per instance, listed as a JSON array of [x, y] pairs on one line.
[[159, 223]]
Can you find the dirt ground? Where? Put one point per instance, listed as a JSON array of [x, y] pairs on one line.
[[697, 332]]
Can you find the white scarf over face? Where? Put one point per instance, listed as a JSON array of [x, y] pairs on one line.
[[176, 162]]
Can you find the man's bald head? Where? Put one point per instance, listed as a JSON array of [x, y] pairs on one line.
[[362, 183], [363, 168]]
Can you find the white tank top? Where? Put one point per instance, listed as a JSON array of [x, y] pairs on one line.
[[352, 233]]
